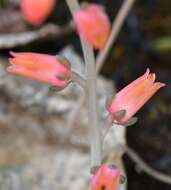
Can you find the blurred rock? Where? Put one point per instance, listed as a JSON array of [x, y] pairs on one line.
[[34, 154]]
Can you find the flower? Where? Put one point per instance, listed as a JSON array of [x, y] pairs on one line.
[[106, 178], [37, 11], [93, 25], [41, 67], [131, 98]]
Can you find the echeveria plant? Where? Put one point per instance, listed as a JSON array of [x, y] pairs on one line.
[[93, 27]]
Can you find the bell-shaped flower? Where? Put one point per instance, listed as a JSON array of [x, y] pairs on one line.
[[42, 67], [93, 25], [106, 178], [37, 11], [131, 98]]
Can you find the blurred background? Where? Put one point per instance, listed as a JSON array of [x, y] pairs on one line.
[[29, 112]]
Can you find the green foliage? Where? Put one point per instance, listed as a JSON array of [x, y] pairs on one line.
[[3, 3], [162, 44]]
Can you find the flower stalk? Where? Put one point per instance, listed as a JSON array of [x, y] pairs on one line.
[[116, 27], [94, 129]]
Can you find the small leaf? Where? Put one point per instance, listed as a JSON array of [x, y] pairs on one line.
[[63, 60], [131, 121], [62, 76], [94, 169], [120, 114], [55, 88], [122, 179], [162, 43]]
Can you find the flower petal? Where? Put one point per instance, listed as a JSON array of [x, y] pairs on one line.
[[37, 11], [24, 63], [106, 178], [42, 67], [133, 84], [133, 97], [139, 102], [93, 25], [41, 60], [43, 77]]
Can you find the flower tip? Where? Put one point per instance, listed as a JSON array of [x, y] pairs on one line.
[[162, 85], [12, 53], [152, 77], [11, 60], [147, 72], [9, 69]]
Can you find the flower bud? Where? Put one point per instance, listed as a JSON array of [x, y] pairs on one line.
[[37, 11], [106, 178], [41, 67], [93, 25], [132, 98]]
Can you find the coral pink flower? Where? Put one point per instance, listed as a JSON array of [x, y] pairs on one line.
[[41, 67], [37, 11], [106, 178], [131, 98], [93, 25]]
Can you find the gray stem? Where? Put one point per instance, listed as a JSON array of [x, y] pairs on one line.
[[94, 129], [116, 27], [75, 77]]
